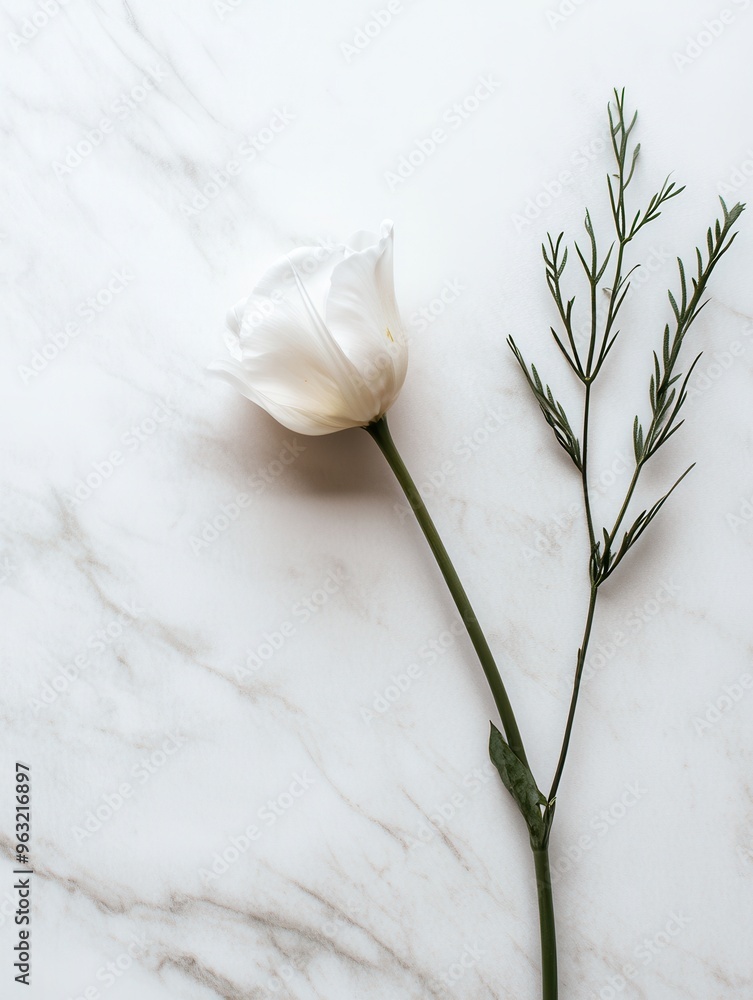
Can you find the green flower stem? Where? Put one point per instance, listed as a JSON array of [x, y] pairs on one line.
[[381, 434], [546, 923]]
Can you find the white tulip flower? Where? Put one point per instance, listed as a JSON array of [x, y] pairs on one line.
[[319, 343]]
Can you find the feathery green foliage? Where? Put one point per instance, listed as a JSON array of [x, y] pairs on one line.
[[667, 385]]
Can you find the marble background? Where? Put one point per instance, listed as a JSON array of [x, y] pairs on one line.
[[239, 697]]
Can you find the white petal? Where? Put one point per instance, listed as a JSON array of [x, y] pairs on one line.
[[233, 323], [363, 316], [361, 240], [314, 264], [234, 317], [291, 365], [295, 418]]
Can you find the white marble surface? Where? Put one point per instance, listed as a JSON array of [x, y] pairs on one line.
[[354, 886]]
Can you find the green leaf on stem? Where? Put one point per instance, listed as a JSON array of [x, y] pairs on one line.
[[520, 783], [666, 399], [553, 411], [609, 562]]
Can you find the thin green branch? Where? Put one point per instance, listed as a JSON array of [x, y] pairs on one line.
[[580, 663]]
